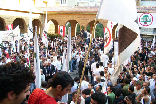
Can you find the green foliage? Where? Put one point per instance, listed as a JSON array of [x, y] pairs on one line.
[[67, 27], [88, 28], [82, 27], [53, 36], [78, 29], [99, 30]]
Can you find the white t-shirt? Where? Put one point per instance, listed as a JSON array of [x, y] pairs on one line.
[[111, 70], [84, 85]]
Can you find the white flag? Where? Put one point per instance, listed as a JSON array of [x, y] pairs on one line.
[[124, 13], [37, 61], [64, 61], [68, 58]]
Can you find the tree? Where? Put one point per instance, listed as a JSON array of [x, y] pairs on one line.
[[78, 29], [53, 36], [88, 28], [82, 27], [67, 27], [99, 30]]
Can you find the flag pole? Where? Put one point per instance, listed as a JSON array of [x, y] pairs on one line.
[[36, 61], [86, 59]]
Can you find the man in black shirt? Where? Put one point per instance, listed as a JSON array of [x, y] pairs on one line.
[[86, 95]]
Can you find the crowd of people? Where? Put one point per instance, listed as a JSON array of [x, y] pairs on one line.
[[136, 84]]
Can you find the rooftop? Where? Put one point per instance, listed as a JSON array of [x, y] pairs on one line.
[[89, 9]]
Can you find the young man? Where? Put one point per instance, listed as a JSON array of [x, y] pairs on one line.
[[74, 96], [86, 95], [110, 93], [60, 85], [15, 82], [131, 91], [98, 98]]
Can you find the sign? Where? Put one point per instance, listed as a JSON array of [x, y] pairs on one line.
[[147, 20]]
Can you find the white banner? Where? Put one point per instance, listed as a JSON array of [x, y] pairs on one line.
[[147, 20]]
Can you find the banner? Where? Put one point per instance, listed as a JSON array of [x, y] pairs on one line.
[[8, 35], [147, 20]]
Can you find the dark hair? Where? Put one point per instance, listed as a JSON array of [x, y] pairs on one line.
[[147, 89], [101, 73], [111, 88], [44, 84], [58, 57], [62, 78], [101, 63], [126, 80], [130, 97], [128, 76], [14, 77], [118, 92], [131, 88], [86, 91], [87, 78], [76, 79], [97, 65], [75, 92], [99, 97]]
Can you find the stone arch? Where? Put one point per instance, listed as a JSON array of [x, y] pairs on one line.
[[73, 27], [21, 23], [113, 31], [91, 24], [56, 25], [36, 22], [2, 24]]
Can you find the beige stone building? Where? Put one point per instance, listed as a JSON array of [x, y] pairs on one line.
[[16, 12]]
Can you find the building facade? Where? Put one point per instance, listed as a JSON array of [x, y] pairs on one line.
[[60, 12]]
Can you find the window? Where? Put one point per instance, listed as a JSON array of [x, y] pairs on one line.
[[63, 1]]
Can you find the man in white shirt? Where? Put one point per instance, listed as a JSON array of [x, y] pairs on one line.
[[104, 58], [93, 66], [97, 71], [110, 68], [58, 63]]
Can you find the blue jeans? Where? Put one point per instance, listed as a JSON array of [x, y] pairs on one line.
[[72, 65]]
